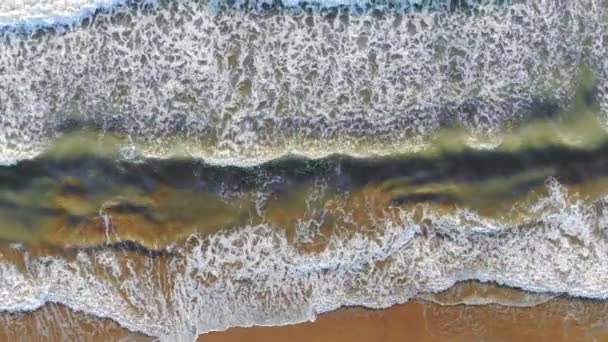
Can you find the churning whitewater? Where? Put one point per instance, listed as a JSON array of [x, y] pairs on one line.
[[31, 14], [254, 275], [127, 129], [247, 85]]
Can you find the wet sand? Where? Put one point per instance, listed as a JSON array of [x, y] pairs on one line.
[[55, 322], [558, 319], [426, 321]]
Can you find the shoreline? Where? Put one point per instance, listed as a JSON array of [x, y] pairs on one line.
[[419, 320], [560, 319]]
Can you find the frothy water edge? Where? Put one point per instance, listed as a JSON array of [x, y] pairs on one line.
[[19, 14], [254, 276]]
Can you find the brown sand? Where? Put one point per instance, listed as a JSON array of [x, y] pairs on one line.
[[425, 321], [55, 322], [559, 319]]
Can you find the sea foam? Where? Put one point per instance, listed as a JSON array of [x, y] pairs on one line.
[[246, 87], [38, 13], [255, 276]]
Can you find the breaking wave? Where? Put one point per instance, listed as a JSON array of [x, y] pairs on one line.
[[247, 86], [32, 14], [185, 84], [255, 275]]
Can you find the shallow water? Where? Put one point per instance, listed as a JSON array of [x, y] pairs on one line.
[[181, 167], [176, 248], [243, 86]]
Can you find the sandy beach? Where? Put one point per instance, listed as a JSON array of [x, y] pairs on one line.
[[425, 321], [315, 170], [559, 319]]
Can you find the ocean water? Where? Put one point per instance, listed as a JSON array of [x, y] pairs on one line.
[[242, 86], [181, 167]]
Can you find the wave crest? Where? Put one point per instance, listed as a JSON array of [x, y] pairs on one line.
[[256, 275]]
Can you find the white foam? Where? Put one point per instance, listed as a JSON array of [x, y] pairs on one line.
[[253, 275], [525, 300], [39, 13], [36, 13], [249, 88]]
